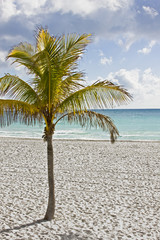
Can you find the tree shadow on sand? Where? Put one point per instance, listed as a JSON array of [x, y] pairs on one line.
[[23, 226], [68, 236]]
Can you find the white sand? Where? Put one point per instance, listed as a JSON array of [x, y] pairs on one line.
[[103, 191]]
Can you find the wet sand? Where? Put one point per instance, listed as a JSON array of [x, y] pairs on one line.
[[103, 191]]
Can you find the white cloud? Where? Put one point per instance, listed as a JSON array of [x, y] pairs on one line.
[[86, 7], [150, 79], [10, 8], [15, 38], [145, 50], [143, 85], [150, 11], [148, 49], [30, 7], [128, 39], [105, 60], [3, 55], [130, 79], [113, 20]]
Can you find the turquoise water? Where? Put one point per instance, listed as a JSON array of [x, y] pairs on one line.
[[133, 124]]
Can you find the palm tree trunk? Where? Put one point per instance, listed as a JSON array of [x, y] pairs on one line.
[[51, 201]]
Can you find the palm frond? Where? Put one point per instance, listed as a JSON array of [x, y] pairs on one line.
[[23, 48], [74, 47], [16, 88], [56, 58], [50, 45], [42, 39], [69, 85], [48, 59], [92, 119], [45, 85], [17, 111], [101, 94], [24, 54]]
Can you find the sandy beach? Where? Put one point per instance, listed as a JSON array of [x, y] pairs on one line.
[[103, 191]]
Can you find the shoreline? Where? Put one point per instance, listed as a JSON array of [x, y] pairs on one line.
[[79, 139]]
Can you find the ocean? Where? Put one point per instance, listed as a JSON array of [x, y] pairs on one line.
[[133, 124]]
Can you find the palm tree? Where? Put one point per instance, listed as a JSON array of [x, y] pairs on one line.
[[56, 90]]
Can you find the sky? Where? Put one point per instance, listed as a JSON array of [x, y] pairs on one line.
[[125, 46]]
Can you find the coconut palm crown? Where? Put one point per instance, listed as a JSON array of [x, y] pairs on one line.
[[56, 89]]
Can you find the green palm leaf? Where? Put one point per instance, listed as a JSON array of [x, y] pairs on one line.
[[24, 54], [92, 119], [74, 47], [17, 111], [98, 95], [16, 88]]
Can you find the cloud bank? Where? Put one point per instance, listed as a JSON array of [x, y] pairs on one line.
[[118, 20], [143, 85], [131, 27]]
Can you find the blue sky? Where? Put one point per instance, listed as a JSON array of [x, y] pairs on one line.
[[125, 46]]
